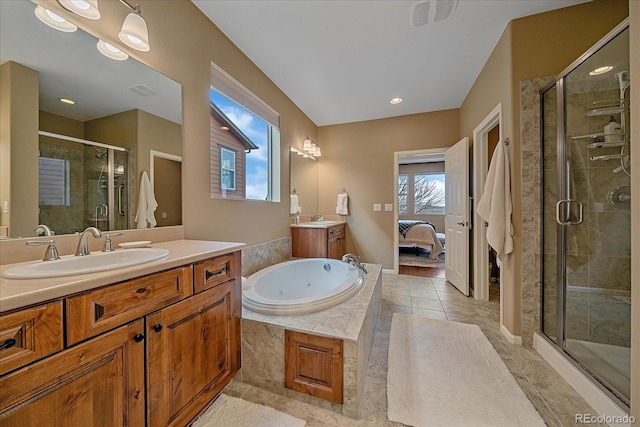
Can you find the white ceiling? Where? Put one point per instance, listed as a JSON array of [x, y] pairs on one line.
[[342, 61]]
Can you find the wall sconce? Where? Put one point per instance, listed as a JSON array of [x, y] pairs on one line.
[[134, 31], [54, 20], [311, 148], [85, 8]]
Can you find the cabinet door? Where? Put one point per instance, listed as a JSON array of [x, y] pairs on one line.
[[193, 351], [308, 242], [97, 383]]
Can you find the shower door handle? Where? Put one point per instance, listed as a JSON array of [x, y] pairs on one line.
[[567, 203], [120, 189]]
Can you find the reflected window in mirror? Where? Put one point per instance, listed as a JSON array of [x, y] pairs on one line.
[[244, 142]]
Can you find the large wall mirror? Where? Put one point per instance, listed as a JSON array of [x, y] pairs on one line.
[[304, 182], [84, 161]]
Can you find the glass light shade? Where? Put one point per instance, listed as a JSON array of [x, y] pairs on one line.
[[110, 51], [134, 32], [54, 21], [306, 146], [85, 8], [318, 152]]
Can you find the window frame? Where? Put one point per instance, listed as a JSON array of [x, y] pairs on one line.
[[404, 193], [223, 169]]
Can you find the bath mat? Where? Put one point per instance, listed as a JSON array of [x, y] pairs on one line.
[[228, 411], [443, 373]]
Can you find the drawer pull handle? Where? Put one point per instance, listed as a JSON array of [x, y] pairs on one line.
[[141, 290], [209, 275], [157, 327], [8, 344], [138, 337]]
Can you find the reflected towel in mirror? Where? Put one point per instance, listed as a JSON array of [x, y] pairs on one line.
[[146, 204]]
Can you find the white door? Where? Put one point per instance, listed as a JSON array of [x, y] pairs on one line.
[[456, 222]]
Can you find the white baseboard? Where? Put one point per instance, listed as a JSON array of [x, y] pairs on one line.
[[599, 401], [513, 339], [386, 270]]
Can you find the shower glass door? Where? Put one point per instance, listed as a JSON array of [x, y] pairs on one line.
[[586, 215]]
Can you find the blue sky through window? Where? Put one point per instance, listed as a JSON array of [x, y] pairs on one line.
[[256, 129]]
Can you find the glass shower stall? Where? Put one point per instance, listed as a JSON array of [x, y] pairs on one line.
[[586, 214]]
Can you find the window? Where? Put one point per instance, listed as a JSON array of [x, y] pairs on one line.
[[244, 142], [53, 182], [227, 169], [428, 194], [403, 192]]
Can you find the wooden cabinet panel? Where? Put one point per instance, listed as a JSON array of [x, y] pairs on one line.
[[97, 383], [213, 272], [29, 335], [318, 242], [193, 351], [313, 365], [106, 308]]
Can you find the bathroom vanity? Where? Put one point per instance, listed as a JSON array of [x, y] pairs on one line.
[[320, 239], [152, 344]]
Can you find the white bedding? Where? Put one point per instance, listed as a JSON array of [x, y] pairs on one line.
[[422, 236]]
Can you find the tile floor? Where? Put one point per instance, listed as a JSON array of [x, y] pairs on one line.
[[556, 401]]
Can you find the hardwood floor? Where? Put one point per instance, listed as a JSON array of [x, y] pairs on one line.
[[422, 271]]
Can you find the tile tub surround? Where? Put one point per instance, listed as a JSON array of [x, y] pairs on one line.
[[262, 255], [353, 321]]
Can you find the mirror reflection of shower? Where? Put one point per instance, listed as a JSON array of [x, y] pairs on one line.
[[82, 183]]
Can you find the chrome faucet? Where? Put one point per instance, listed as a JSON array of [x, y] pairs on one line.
[[83, 244], [316, 218], [355, 261], [43, 230]]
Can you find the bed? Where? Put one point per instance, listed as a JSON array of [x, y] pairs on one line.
[[420, 234]]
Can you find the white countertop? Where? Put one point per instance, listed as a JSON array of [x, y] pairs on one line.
[[318, 225], [17, 293]]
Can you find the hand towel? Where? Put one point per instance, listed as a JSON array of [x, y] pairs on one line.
[[146, 203], [293, 204], [341, 206], [495, 204]]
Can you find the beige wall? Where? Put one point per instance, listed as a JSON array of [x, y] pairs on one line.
[[19, 147], [360, 157], [156, 133], [634, 15], [183, 42], [534, 46]]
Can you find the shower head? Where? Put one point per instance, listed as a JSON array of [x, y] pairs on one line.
[[100, 154]]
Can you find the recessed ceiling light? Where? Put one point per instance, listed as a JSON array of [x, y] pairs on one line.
[[67, 101], [601, 70], [224, 127], [395, 101], [110, 51], [54, 20]]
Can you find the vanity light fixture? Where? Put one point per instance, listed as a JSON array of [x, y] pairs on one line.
[[311, 148], [395, 101], [601, 70], [54, 20], [85, 8], [67, 101], [110, 51], [134, 31]]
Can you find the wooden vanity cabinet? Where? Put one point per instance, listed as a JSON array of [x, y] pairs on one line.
[[307, 242], [97, 383], [153, 350]]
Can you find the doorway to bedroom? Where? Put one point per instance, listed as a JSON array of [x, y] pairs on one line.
[[420, 213]]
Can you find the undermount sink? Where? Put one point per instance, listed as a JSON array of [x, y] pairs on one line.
[[98, 261], [316, 224]]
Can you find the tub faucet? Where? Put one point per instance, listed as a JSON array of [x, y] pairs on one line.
[[83, 244], [355, 261], [43, 230]]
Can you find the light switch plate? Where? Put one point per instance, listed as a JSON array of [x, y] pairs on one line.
[[388, 207], [377, 207]]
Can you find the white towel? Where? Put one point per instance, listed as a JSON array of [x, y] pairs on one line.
[[341, 206], [293, 204], [146, 203], [495, 204]]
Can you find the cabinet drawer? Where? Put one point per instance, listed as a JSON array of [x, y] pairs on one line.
[[336, 231], [29, 335], [106, 308], [215, 271]]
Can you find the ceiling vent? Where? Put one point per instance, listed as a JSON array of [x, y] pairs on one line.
[[430, 11], [143, 90]]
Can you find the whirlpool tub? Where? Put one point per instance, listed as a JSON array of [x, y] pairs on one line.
[[300, 286]]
